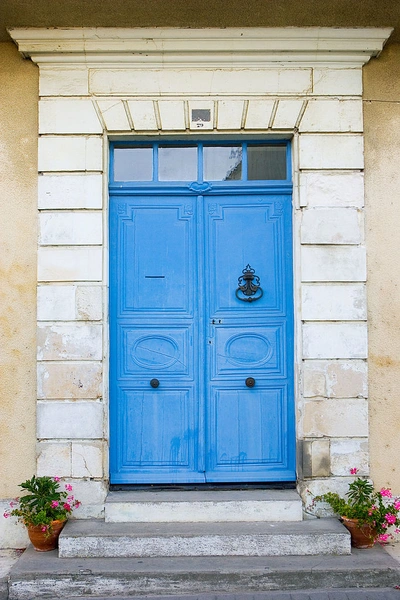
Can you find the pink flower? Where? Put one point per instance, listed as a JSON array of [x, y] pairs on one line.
[[383, 538], [12, 504], [44, 528], [77, 503], [385, 492], [67, 506], [54, 503], [70, 499], [57, 479], [384, 525], [397, 530], [396, 505], [354, 471], [390, 518], [68, 487], [6, 514]]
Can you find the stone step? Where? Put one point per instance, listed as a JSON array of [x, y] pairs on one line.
[[42, 575], [95, 538], [203, 506]]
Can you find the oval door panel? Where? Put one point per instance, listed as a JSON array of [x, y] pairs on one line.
[[155, 351], [248, 349]]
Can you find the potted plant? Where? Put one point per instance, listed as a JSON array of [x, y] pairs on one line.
[[366, 513], [43, 509]]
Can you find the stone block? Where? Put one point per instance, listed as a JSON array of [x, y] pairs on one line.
[[332, 115], [259, 114], [172, 115], [310, 488], [68, 116], [142, 115], [316, 458], [92, 494], [333, 263], [155, 82], [335, 340], [335, 418], [70, 264], [114, 115], [70, 153], [56, 303], [230, 114], [347, 454], [70, 341], [337, 82], [70, 380], [53, 459], [56, 81], [326, 188], [335, 378], [334, 302], [331, 226], [89, 302], [69, 420], [87, 459], [63, 228], [331, 151], [12, 533], [70, 191], [287, 114], [69, 303]]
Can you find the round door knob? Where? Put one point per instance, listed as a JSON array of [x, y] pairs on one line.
[[250, 382], [154, 383]]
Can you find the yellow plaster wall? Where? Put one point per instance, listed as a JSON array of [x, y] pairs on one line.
[[18, 234], [382, 187]]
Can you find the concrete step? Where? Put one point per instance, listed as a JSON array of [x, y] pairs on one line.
[[199, 506], [95, 538], [42, 576]]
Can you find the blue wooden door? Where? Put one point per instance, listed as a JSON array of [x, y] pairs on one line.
[[201, 316]]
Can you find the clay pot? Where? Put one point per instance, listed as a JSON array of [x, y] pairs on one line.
[[362, 536], [43, 541]]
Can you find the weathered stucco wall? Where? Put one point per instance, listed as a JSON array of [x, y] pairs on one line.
[[382, 187], [18, 255]]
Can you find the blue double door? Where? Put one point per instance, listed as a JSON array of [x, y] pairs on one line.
[[201, 311]]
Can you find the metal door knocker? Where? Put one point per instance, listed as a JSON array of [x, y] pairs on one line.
[[249, 288]]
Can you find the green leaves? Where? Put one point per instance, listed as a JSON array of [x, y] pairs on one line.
[[44, 501]]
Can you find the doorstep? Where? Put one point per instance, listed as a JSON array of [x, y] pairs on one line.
[[45, 576], [196, 506], [95, 538]]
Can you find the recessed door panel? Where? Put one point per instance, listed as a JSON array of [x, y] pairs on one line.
[[241, 349], [162, 351], [156, 249], [253, 441]]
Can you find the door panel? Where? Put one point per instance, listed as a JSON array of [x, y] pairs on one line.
[[250, 431], [175, 262], [254, 439], [244, 348], [154, 430]]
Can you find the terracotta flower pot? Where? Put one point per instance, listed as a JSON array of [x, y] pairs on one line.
[[362, 536], [42, 541]]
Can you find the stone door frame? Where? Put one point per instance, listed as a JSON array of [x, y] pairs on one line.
[[101, 84]]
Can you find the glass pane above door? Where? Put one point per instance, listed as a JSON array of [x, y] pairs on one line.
[[133, 164], [222, 163], [177, 163], [201, 162]]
